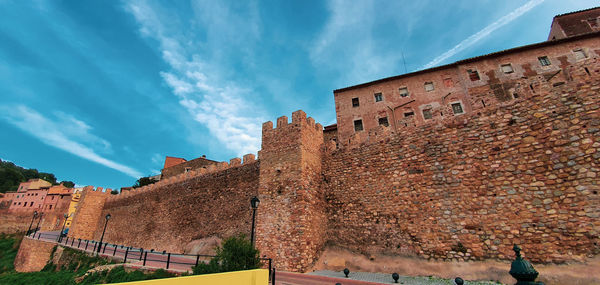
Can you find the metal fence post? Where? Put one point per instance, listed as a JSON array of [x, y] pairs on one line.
[[87, 242], [95, 244], [67, 241], [104, 250], [79, 245], [72, 241], [197, 259], [141, 252], [126, 252], [273, 280], [168, 259], [115, 252], [270, 260], [145, 257]]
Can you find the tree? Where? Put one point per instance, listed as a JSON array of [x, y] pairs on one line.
[[68, 184], [143, 182], [236, 253]]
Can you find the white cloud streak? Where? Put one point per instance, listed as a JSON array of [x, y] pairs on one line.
[[470, 41], [65, 132], [213, 102]]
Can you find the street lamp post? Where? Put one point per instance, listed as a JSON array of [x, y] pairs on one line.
[[103, 231], [39, 221], [35, 213], [254, 203], [60, 235]]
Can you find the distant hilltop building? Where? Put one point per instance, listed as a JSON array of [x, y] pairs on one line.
[[174, 165]]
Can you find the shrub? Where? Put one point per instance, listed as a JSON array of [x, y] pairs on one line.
[[236, 253]]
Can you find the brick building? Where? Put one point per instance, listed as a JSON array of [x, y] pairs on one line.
[[175, 165], [57, 199], [444, 93], [30, 195], [575, 23]]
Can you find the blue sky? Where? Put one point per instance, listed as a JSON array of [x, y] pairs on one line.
[[98, 92]]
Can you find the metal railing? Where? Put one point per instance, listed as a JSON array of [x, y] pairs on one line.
[[137, 256]]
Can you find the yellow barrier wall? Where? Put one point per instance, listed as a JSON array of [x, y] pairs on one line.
[[248, 277]]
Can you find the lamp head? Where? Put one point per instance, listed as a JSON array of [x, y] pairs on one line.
[[254, 202], [107, 217]]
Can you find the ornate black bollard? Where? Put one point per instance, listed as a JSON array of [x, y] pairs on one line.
[[522, 270], [346, 272], [395, 276], [459, 281]]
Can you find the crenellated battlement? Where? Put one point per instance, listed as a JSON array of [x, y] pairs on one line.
[[299, 119], [210, 169]]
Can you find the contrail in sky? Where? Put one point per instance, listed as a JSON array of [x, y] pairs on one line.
[[484, 32]]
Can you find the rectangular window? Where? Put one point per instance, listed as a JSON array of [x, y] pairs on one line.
[[448, 82], [544, 61], [429, 86], [427, 114], [378, 97], [507, 68], [355, 102], [50, 207], [579, 54], [383, 121], [473, 75], [457, 108], [358, 125], [409, 114], [403, 92]]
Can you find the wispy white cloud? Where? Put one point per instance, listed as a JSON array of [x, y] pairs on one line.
[[468, 42], [214, 102], [64, 132]]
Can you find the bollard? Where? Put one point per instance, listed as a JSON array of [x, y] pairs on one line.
[[522, 270], [459, 281], [346, 272], [395, 276]]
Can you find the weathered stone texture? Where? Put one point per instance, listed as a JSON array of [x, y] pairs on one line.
[[291, 222], [524, 171], [33, 255], [169, 216], [88, 213]]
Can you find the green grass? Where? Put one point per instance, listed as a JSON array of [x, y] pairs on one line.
[[75, 264]]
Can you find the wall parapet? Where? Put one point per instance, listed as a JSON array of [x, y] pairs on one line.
[[210, 169]]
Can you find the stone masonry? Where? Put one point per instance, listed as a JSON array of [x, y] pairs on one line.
[[518, 169], [33, 255]]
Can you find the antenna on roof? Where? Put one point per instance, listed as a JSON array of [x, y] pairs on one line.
[[404, 61]]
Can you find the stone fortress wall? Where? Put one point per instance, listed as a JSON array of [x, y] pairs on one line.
[[518, 170]]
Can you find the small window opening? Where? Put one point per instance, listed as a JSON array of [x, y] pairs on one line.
[[408, 114], [358, 126], [531, 87], [457, 108], [427, 114], [403, 92], [355, 102], [378, 97], [515, 95], [579, 54], [448, 82], [187, 169], [383, 121], [429, 86], [507, 68], [473, 75], [544, 61]]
